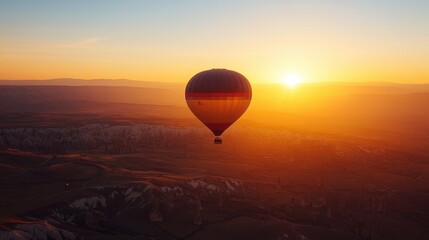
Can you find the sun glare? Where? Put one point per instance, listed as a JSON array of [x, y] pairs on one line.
[[292, 80]]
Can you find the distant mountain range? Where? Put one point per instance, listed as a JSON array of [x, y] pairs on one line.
[[361, 87], [91, 82]]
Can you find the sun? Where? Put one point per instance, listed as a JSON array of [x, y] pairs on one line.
[[292, 80]]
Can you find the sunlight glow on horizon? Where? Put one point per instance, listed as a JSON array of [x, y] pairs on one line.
[[292, 80]]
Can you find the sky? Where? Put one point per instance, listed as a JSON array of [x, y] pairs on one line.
[[171, 40]]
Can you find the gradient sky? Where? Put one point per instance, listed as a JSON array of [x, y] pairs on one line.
[[160, 40]]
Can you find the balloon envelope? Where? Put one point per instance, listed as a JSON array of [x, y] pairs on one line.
[[218, 97]]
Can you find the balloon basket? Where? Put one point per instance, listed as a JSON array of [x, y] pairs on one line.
[[218, 140]]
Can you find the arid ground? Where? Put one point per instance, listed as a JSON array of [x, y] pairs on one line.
[[331, 161]]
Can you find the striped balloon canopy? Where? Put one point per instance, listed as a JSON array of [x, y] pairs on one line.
[[218, 97]]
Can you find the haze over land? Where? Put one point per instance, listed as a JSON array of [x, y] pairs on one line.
[[358, 109]]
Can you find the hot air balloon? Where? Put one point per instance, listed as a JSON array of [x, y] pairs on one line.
[[218, 97]]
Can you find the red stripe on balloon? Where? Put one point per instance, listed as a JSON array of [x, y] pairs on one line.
[[225, 94]]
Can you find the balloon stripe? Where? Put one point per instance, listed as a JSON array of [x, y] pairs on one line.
[[219, 94], [217, 98]]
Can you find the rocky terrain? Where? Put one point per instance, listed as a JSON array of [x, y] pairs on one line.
[[85, 167]]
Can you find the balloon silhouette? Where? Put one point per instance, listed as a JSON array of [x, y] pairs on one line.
[[218, 97]]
